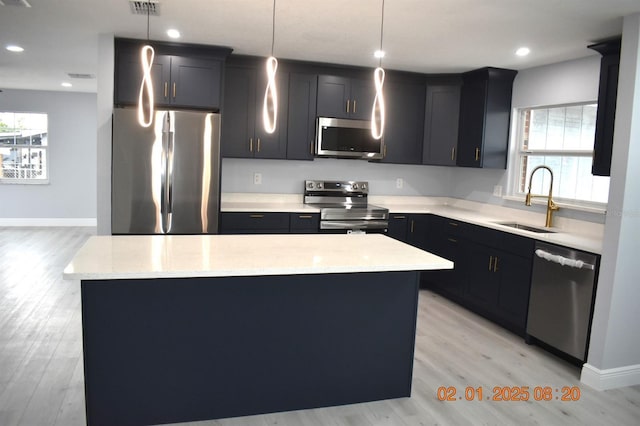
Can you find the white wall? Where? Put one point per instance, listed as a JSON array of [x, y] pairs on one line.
[[614, 355], [561, 83], [286, 176], [104, 109], [70, 196]]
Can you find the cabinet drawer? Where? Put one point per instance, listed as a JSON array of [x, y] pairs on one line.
[[254, 222], [479, 234], [304, 223]]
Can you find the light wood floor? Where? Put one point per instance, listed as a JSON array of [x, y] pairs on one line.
[[41, 376]]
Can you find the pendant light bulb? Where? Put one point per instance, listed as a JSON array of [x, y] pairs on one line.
[[145, 109], [270, 104], [378, 112]]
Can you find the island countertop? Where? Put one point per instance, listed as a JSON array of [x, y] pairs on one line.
[[182, 256]]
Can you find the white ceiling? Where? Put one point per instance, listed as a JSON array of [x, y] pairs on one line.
[[430, 36]]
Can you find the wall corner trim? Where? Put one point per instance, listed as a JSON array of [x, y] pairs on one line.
[[52, 221], [610, 378]]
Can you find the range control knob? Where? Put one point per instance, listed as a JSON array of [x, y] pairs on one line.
[[354, 186], [363, 186], [319, 185], [310, 185]]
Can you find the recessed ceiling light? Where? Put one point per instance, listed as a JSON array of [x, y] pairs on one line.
[[523, 51], [173, 33], [379, 53], [66, 84], [14, 48]]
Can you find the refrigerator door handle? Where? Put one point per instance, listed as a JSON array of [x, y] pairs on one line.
[[171, 141], [166, 170]]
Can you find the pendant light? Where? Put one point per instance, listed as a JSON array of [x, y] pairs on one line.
[[270, 104], [378, 112], [145, 109]]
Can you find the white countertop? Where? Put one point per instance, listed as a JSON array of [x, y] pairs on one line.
[[570, 233], [158, 256]]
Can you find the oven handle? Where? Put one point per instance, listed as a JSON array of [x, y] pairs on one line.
[[354, 224]]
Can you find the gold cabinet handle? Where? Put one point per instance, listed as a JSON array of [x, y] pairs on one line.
[[495, 264], [412, 226], [166, 89], [250, 144], [490, 263], [305, 216], [348, 102], [354, 105], [311, 147], [453, 224], [258, 144], [256, 216], [384, 154], [399, 217], [174, 90], [453, 240], [453, 153], [477, 154]]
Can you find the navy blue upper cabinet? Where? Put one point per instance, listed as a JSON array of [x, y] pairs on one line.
[[243, 133], [184, 76], [301, 116], [607, 96], [441, 123], [485, 112], [345, 97], [404, 101]]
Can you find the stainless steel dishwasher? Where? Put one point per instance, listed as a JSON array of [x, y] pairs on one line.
[[561, 301]]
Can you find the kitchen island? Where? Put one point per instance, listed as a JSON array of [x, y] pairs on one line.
[[184, 328]]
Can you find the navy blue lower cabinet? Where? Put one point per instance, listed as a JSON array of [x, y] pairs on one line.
[[186, 349]]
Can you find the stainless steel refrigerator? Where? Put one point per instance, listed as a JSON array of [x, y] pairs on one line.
[[165, 178]]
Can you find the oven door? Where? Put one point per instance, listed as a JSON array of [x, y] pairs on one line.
[[353, 226]]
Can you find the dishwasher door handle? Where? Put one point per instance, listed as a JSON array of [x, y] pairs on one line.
[[564, 261]]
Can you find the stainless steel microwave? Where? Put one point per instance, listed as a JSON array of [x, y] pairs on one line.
[[343, 138]]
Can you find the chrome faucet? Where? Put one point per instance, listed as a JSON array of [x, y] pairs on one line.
[[551, 206]]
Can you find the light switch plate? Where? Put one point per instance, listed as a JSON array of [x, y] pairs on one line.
[[257, 178], [399, 183]]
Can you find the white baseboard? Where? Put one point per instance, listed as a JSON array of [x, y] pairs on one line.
[[45, 221], [611, 377]]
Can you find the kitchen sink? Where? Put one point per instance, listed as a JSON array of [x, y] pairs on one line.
[[524, 227]]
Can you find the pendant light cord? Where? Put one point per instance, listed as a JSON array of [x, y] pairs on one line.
[[273, 27], [381, 33], [148, 12]]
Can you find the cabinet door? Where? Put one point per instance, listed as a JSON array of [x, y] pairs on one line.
[[195, 82], [238, 118], [334, 96], [271, 145], [482, 282], [485, 113], [129, 78], [398, 226], [304, 223], [254, 223], [441, 125], [606, 115], [418, 230], [362, 95], [301, 116], [515, 284], [471, 127], [404, 123]]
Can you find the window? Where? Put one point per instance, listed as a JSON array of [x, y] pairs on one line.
[[23, 147], [560, 137]]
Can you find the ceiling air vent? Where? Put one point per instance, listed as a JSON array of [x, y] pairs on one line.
[[20, 3], [80, 75], [151, 7]]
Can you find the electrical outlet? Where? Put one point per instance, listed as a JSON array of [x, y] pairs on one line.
[[399, 183], [497, 190], [257, 178]]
